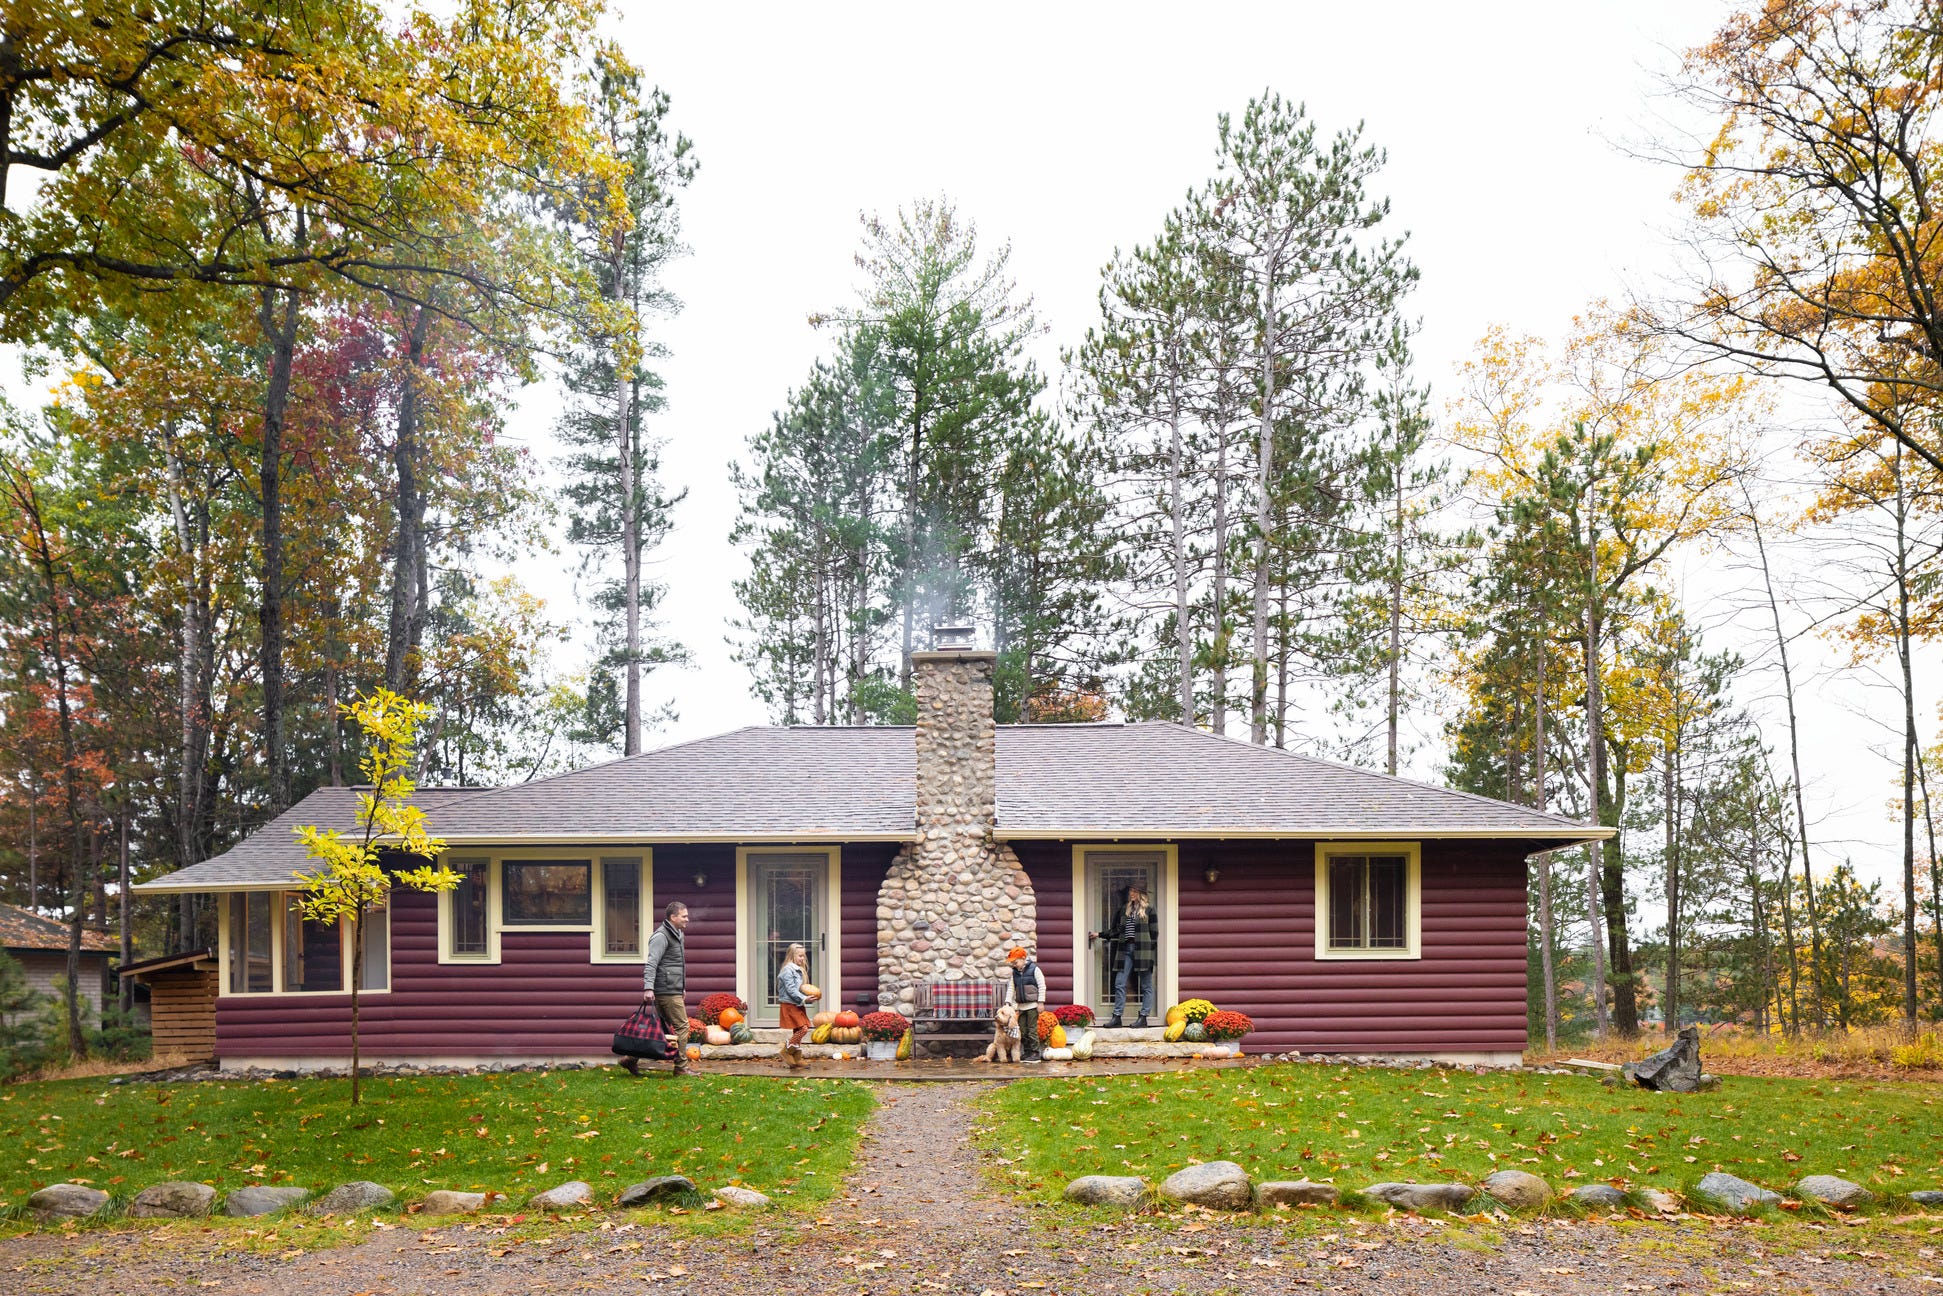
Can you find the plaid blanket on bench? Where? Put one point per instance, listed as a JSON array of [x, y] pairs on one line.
[[958, 1000]]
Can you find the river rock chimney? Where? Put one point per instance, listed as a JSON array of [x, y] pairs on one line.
[[956, 899]]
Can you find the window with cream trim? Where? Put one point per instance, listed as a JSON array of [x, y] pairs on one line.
[[608, 896], [268, 947], [1369, 900]]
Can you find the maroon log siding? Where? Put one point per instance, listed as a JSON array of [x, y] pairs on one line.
[[1248, 942], [864, 867], [1051, 871], [544, 996]]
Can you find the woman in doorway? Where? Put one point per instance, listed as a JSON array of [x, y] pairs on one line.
[[793, 1004], [1135, 934]]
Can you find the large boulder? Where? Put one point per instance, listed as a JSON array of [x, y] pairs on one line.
[[647, 1190], [63, 1201], [1422, 1197], [1218, 1185], [446, 1202], [1675, 1068], [735, 1195], [1296, 1192], [1519, 1190], [571, 1195], [262, 1199], [176, 1199], [1833, 1191], [1597, 1196], [1736, 1193], [359, 1194], [1123, 1191]]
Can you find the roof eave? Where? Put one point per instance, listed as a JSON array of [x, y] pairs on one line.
[[1565, 835]]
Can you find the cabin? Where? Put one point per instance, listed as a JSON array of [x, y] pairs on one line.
[[1345, 911], [39, 944]]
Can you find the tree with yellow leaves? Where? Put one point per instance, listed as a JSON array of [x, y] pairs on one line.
[[1629, 457], [351, 879]]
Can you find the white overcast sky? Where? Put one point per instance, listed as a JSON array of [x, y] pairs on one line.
[[1070, 130]]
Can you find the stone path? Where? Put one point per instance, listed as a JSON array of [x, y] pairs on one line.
[[916, 1219]]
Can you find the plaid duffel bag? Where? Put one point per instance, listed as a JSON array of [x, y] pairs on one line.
[[642, 1035]]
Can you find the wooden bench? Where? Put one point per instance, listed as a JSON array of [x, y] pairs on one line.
[[954, 1012]]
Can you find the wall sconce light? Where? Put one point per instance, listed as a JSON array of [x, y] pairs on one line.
[[1212, 874], [701, 881]]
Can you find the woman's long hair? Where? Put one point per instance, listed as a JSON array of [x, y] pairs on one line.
[[1137, 903]]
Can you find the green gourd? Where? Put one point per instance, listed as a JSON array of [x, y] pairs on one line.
[[1195, 1033]]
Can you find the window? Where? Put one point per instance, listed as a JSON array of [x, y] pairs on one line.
[[375, 974], [468, 908], [269, 947], [313, 952], [250, 954], [548, 893], [1368, 900], [620, 908]]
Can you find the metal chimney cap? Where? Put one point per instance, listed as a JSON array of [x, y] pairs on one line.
[[946, 637]]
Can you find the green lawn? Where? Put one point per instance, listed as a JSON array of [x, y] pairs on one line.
[[1357, 1126], [510, 1133]]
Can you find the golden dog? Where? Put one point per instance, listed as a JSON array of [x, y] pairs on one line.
[[1006, 1045]]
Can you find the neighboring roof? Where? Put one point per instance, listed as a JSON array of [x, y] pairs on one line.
[[23, 929], [833, 783]]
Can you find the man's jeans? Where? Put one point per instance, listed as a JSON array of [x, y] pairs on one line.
[[1124, 979]]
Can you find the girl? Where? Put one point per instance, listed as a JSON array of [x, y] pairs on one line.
[[795, 1008]]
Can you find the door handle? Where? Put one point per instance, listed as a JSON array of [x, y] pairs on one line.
[[819, 942]]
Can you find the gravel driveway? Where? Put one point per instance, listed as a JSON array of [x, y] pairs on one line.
[[916, 1219]]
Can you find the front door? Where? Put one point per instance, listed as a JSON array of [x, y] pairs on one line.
[[786, 891], [1109, 876]]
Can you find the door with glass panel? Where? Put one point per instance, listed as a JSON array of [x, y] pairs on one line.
[[786, 891], [1111, 876]]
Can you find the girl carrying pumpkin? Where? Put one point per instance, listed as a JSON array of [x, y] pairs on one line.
[[794, 1003]]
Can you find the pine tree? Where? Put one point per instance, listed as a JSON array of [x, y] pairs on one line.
[[614, 487]]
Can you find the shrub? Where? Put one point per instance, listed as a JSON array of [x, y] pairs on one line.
[[713, 1005], [24, 1021], [1225, 1025], [1196, 1009], [884, 1027], [1074, 1015], [1046, 1022], [122, 1036]]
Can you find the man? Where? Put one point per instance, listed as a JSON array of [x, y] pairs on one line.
[[1026, 992], [665, 979]]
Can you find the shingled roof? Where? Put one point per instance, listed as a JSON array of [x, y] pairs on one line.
[[23, 929], [832, 783]]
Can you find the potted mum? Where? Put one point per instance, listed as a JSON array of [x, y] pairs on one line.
[[1224, 1025], [882, 1031]]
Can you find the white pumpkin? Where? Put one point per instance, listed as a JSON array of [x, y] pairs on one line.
[[716, 1035], [1058, 1055], [1083, 1051]]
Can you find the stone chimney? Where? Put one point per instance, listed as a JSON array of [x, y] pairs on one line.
[[956, 899]]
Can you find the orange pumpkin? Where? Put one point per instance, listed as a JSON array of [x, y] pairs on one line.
[[847, 1019], [824, 1019], [728, 1017], [811, 993], [694, 1054]]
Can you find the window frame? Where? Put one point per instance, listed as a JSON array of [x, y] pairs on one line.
[[280, 898], [596, 929], [1412, 852]]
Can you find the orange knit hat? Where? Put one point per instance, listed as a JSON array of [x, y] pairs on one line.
[[1016, 952]]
